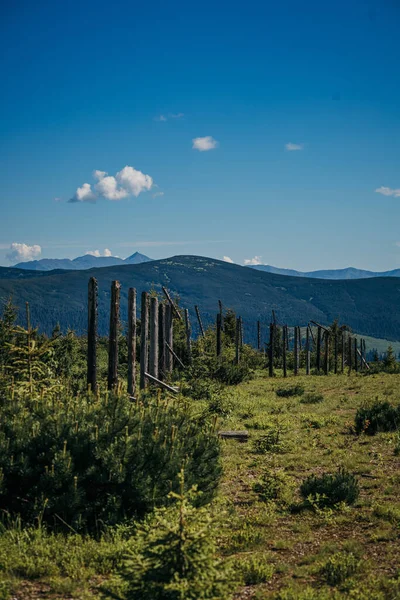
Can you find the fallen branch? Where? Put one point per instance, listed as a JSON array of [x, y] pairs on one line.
[[241, 436], [165, 386], [174, 308]]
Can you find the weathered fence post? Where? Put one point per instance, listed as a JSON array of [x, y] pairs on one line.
[[241, 332], [284, 342], [131, 341], [335, 352], [219, 327], [113, 335], [153, 361], [196, 308], [319, 336], [92, 335], [308, 353], [188, 336], [169, 325], [296, 352], [161, 341], [343, 350], [271, 349], [349, 357], [237, 341], [326, 361], [355, 355], [258, 336], [144, 344]]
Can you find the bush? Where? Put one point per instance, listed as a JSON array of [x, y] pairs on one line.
[[270, 442], [230, 374], [274, 487], [173, 556], [339, 567], [380, 416], [91, 461], [287, 392], [312, 398], [254, 570], [331, 489]]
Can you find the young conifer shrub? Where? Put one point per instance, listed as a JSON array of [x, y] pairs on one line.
[[379, 416], [331, 489]]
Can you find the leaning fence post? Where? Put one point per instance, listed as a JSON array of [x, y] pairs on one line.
[[271, 350], [237, 341], [196, 308], [169, 336], [188, 336], [92, 335], [284, 342], [131, 341], [144, 344], [113, 335], [308, 353], [153, 353]]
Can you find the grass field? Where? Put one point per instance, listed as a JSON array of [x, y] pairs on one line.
[[281, 549]]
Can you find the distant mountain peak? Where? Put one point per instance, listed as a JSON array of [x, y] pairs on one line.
[[87, 261]]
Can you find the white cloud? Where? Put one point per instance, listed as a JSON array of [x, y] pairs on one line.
[[227, 259], [97, 253], [127, 182], [176, 116], [160, 118], [163, 118], [291, 147], [387, 191], [23, 252], [158, 194], [204, 143], [256, 260]]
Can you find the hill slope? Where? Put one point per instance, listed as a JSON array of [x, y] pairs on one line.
[[369, 306], [81, 262], [348, 273]]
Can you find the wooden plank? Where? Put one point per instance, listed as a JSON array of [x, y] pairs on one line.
[[175, 356], [241, 436], [165, 386], [131, 341], [113, 336]]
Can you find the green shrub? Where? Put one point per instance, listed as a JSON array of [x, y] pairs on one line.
[[380, 416], [331, 489], [287, 392], [312, 398], [90, 461], [173, 556], [254, 570], [231, 374], [339, 567], [269, 442], [274, 487]]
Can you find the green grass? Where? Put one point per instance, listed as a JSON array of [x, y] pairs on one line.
[[285, 552]]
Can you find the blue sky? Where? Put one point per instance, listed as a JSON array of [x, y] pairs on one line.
[[100, 86]]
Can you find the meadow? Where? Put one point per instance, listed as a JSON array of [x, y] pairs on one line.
[[307, 508]]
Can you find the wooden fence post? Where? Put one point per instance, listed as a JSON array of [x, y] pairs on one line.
[[196, 308], [355, 356], [308, 353], [92, 335], [296, 352], [237, 341], [271, 349], [131, 341], [153, 354], [258, 336], [326, 361], [144, 344], [241, 332], [335, 352], [113, 335], [188, 336], [284, 342], [349, 353], [319, 336], [343, 349], [219, 327], [161, 341], [169, 324]]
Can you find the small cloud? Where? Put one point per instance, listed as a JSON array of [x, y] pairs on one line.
[[97, 253], [227, 259], [204, 143], [163, 118], [57, 199], [158, 194], [127, 182], [256, 260], [23, 252], [160, 118], [292, 147], [387, 191], [176, 116]]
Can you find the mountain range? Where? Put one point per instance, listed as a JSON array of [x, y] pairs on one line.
[[368, 306], [88, 261], [348, 273]]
